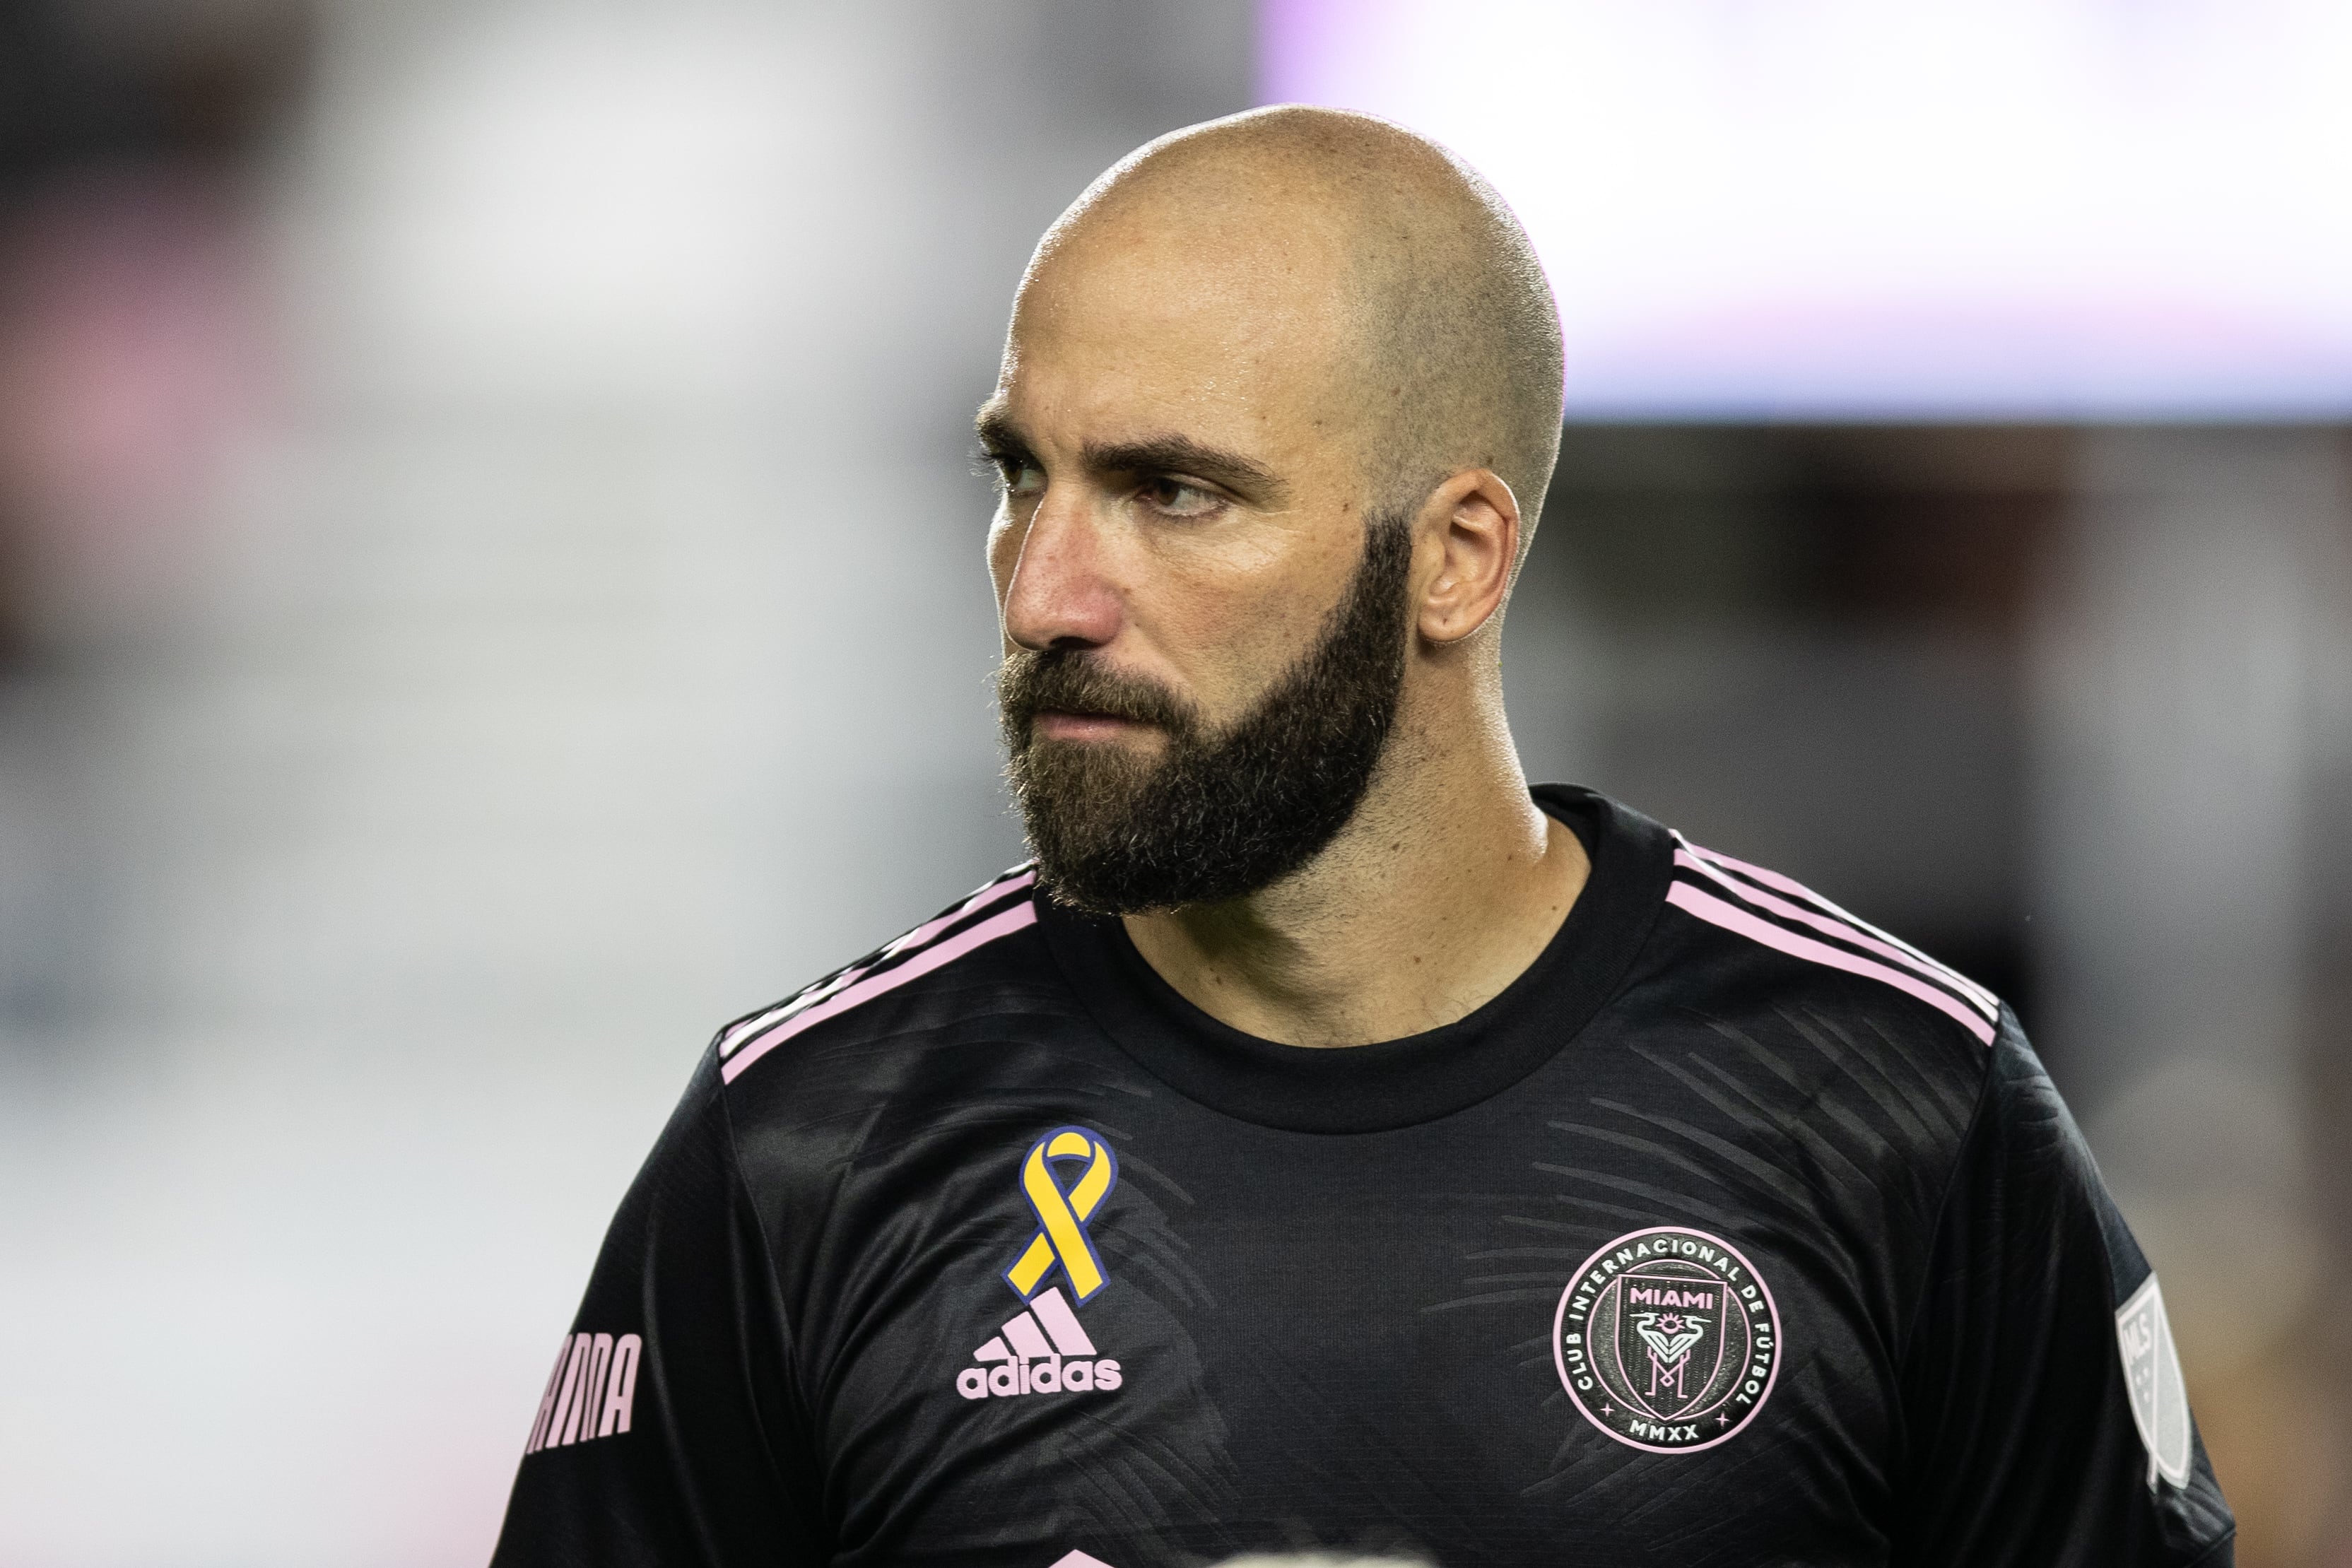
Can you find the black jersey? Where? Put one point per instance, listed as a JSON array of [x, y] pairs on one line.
[[1733, 1232]]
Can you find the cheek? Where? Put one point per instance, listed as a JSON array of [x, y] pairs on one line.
[[1238, 634]]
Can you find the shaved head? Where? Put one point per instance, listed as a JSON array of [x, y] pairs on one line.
[[1440, 335]]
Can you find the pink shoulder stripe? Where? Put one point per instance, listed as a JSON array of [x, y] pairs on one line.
[[1718, 861], [1853, 932], [995, 890], [1003, 923], [1732, 917]]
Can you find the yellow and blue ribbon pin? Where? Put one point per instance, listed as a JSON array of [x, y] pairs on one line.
[[1062, 1217]]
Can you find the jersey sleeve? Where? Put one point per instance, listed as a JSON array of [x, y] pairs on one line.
[[2044, 1419], [670, 1431]]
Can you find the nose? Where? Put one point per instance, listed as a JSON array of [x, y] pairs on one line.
[[1059, 595]]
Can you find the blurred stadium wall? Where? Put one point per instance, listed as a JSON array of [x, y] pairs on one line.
[[490, 587]]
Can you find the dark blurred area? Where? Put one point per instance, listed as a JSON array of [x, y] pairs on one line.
[[433, 444], [1824, 632], [134, 347], [130, 326]]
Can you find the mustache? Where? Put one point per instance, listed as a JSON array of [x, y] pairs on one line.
[[1071, 680]]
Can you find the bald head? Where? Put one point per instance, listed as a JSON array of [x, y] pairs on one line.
[[1432, 338]]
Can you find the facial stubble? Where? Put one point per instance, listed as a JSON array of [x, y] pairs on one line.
[[1219, 813]]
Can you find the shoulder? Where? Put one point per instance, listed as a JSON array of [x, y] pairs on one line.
[[934, 1030], [1755, 941], [969, 947]]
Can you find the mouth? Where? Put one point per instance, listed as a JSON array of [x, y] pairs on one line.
[[1066, 724]]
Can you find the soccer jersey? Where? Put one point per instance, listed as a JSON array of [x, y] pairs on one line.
[[1734, 1231]]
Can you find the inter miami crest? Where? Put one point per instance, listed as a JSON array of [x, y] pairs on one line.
[[1667, 1340]]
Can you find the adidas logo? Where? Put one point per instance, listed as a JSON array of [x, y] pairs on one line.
[[1042, 1351]]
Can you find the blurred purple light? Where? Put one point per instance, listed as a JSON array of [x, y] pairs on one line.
[[2063, 209]]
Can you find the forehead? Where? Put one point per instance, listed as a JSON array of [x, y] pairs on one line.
[[1222, 329]]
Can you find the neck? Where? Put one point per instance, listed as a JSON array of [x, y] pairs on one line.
[[1443, 887]]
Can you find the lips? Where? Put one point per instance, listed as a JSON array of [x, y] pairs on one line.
[[1080, 724]]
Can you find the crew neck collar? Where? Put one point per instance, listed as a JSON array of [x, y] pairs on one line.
[[1397, 1082]]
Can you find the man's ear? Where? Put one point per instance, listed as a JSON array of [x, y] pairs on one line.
[[1469, 541]]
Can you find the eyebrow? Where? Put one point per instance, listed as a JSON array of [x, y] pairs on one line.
[[1172, 453], [1182, 454]]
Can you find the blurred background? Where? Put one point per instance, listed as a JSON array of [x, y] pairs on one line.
[[490, 588]]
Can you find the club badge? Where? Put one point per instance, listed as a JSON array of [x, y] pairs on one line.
[[1668, 1340]]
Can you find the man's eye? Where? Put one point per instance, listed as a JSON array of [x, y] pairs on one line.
[[1020, 476], [1175, 498]]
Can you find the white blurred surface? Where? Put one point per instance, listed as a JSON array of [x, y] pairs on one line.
[[2028, 208], [591, 642]]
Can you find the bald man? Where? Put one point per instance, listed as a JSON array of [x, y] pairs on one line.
[[1326, 1141]]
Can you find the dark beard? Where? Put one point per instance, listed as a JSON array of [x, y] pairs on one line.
[[1217, 815]]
